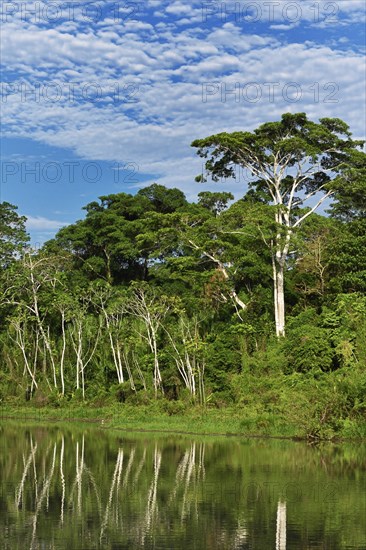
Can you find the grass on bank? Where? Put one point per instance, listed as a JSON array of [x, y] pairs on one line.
[[321, 406]]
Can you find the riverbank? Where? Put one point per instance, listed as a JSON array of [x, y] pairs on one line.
[[195, 420], [325, 406]]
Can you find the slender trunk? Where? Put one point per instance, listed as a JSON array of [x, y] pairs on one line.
[[77, 345], [79, 363], [147, 310], [186, 358], [139, 371], [45, 335], [82, 359], [108, 267], [129, 371], [279, 299], [51, 357], [35, 359], [114, 348], [120, 367], [21, 343], [63, 353], [191, 370], [157, 374], [201, 383]]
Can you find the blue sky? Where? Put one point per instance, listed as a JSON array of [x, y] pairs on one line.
[[104, 97]]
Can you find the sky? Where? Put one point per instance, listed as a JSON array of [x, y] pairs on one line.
[[106, 97]]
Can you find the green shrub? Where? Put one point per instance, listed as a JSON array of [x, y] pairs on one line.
[[173, 407], [309, 348]]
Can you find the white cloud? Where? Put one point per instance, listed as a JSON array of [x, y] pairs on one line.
[[284, 27], [167, 70], [38, 223]]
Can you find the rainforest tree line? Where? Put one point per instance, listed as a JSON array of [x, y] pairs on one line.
[[152, 295]]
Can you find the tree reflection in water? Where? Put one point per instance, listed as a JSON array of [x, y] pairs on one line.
[[90, 489], [281, 526]]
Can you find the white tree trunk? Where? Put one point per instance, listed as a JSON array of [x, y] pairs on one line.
[[62, 360], [154, 349], [149, 311], [45, 333], [20, 341], [279, 299]]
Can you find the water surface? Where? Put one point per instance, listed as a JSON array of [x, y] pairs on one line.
[[86, 488]]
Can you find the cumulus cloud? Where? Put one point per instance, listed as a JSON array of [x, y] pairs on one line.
[[38, 223], [140, 85]]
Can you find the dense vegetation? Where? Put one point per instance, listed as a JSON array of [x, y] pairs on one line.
[[152, 297]]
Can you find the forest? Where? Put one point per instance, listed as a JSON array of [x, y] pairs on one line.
[[256, 303]]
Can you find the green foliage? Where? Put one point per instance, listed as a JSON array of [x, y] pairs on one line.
[[330, 340], [163, 200], [327, 143], [215, 202], [152, 301], [308, 348], [347, 260], [13, 236]]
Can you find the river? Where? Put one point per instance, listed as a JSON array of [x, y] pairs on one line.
[[78, 488]]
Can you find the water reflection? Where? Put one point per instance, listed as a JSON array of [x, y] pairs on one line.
[[281, 526], [93, 489]]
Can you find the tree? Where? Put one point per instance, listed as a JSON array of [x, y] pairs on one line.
[[187, 351], [106, 242], [227, 246], [347, 247], [215, 202], [151, 310], [295, 164], [350, 193], [33, 289], [13, 236], [163, 200]]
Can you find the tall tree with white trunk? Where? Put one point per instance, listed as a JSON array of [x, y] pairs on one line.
[[295, 165], [151, 310]]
